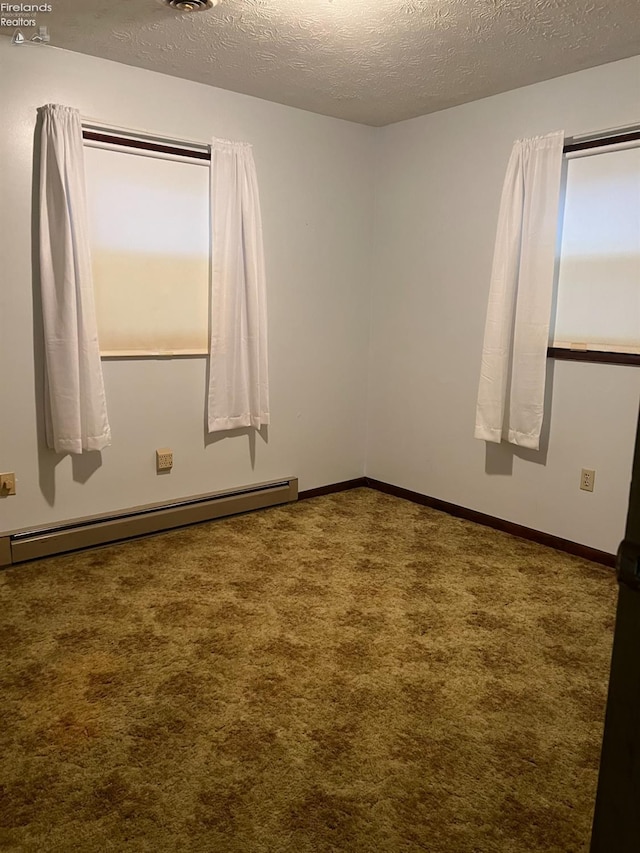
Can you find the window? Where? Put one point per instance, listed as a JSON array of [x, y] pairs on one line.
[[149, 229], [598, 295]]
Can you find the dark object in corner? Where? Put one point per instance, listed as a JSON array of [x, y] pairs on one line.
[[616, 822]]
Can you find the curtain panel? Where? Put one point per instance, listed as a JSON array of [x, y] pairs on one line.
[[75, 406], [238, 394], [512, 377]]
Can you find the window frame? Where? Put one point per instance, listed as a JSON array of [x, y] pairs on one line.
[[600, 140], [161, 145]]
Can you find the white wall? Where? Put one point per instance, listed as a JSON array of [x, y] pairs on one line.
[[438, 187], [316, 182]]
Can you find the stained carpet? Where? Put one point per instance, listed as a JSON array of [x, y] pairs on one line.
[[350, 673]]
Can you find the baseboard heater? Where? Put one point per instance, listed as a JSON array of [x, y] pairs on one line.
[[30, 544]]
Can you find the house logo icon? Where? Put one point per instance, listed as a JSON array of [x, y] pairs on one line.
[[42, 37]]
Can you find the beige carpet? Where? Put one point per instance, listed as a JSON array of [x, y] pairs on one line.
[[351, 673]]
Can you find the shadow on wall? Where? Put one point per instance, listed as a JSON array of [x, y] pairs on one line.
[[84, 466], [499, 457], [211, 438], [214, 437]]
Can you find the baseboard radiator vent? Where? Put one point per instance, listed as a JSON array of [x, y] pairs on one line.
[[31, 544]]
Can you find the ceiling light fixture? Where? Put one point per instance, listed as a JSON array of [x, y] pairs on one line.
[[192, 5]]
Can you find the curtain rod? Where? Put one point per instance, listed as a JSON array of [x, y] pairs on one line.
[[605, 132], [146, 145], [603, 148], [115, 130], [183, 157], [601, 140]]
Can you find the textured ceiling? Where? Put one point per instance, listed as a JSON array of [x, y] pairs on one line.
[[370, 61]]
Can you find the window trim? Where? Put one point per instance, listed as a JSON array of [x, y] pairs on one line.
[[600, 140], [594, 356], [177, 150]]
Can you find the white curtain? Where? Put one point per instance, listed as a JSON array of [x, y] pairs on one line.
[[238, 381], [512, 378], [75, 407]]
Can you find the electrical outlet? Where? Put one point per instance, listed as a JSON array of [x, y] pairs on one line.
[[587, 479], [164, 459], [7, 484]]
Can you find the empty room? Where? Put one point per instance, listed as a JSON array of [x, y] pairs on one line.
[[320, 336]]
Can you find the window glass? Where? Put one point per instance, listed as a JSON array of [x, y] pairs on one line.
[[149, 226], [598, 297]]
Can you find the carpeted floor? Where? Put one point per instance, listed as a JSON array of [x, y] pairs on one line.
[[351, 673]]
